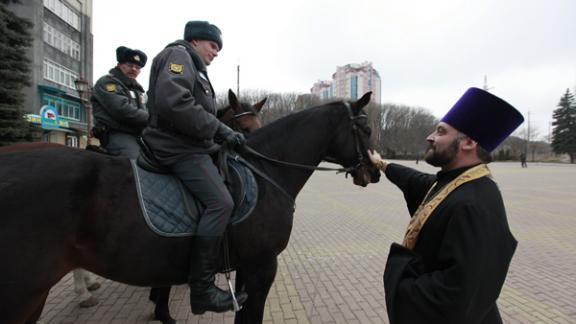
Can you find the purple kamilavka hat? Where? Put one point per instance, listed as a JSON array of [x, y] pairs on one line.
[[484, 117]]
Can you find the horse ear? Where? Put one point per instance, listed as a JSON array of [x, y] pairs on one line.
[[258, 106], [232, 99], [362, 102]]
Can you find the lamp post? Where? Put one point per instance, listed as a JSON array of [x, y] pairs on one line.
[[84, 92]]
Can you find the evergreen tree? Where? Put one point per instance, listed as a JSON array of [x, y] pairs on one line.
[[564, 131], [15, 38]]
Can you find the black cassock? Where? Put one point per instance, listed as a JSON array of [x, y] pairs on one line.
[[457, 268]]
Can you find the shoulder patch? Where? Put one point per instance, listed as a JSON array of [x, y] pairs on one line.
[[110, 87], [176, 68]]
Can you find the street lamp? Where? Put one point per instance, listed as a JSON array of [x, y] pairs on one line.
[[84, 92]]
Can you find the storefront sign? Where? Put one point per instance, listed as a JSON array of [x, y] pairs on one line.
[[49, 117]]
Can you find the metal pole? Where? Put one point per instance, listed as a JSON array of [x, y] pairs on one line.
[[88, 106], [84, 93], [238, 80], [528, 135]]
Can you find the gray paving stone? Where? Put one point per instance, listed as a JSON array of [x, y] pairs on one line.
[[331, 271]]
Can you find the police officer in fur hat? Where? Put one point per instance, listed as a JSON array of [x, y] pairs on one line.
[[182, 134], [455, 255], [119, 107]]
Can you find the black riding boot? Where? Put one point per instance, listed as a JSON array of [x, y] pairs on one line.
[[204, 295]]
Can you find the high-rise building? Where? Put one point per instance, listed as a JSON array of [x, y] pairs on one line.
[[323, 89], [350, 81], [61, 52]]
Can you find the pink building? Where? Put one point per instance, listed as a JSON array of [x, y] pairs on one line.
[[350, 81]]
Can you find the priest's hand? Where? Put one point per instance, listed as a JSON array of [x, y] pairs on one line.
[[377, 160]]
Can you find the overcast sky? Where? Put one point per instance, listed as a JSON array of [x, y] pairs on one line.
[[427, 52]]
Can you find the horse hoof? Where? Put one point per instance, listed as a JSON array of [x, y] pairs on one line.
[[92, 301], [164, 317], [94, 286], [168, 320]]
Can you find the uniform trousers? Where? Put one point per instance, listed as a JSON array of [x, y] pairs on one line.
[[123, 144], [200, 175]]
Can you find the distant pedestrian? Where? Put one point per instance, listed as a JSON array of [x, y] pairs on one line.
[[452, 264], [523, 160]]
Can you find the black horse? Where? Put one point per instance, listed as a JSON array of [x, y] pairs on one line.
[[65, 208]]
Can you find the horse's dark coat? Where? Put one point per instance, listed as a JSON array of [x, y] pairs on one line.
[[64, 208]]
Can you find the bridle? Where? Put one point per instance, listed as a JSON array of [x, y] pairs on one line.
[[245, 113], [234, 119]]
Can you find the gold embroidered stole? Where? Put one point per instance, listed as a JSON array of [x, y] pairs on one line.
[[426, 208]]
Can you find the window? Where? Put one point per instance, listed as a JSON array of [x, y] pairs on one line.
[[75, 50], [65, 44], [59, 74], [68, 109], [354, 87], [62, 11]]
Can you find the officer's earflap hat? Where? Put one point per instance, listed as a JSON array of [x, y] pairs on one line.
[[484, 117], [202, 30], [128, 55]]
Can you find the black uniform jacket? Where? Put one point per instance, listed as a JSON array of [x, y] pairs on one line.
[[455, 272], [182, 105], [118, 103]]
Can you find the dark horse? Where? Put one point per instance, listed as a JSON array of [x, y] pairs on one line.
[[65, 208], [241, 116]]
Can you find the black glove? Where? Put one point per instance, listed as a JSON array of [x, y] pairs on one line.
[[235, 139]]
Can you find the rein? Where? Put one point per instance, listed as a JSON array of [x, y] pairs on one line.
[[313, 167], [296, 165]]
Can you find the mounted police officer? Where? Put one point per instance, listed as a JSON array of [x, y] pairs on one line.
[[118, 102], [182, 134]]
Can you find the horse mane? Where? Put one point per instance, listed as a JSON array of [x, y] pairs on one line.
[[287, 125]]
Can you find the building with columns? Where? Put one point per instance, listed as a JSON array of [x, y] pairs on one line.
[[350, 81], [61, 52]]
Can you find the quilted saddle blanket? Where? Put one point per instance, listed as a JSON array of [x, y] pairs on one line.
[[171, 210]]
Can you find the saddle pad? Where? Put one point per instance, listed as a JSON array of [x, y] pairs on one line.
[[170, 209]]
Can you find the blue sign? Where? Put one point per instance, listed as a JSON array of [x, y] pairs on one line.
[[49, 117]]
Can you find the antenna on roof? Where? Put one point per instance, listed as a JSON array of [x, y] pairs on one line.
[[486, 87]]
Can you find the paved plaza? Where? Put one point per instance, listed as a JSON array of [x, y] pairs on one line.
[[331, 271]]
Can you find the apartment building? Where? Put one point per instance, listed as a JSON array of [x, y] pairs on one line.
[[350, 81], [61, 52]]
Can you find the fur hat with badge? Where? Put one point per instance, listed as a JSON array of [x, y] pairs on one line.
[[202, 30], [128, 55]]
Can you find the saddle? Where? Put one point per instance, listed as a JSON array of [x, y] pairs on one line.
[[171, 210]]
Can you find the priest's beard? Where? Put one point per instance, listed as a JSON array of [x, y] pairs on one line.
[[440, 157]]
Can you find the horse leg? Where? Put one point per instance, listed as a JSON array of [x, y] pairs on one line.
[[161, 297], [36, 315], [85, 297], [21, 304], [256, 278], [91, 283]]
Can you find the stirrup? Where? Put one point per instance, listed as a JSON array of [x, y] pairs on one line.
[[237, 307]]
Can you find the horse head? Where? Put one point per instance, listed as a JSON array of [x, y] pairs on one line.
[[241, 116], [352, 142]]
